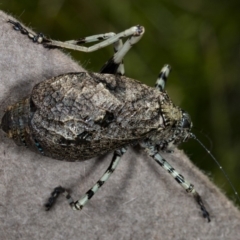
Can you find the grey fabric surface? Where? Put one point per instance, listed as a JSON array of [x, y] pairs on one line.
[[140, 200]]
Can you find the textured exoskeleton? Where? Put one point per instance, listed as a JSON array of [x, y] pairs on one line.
[[77, 116]]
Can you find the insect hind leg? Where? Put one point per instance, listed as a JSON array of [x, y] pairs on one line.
[[115, 64], [39, 38], [111, 38], [79, 204]]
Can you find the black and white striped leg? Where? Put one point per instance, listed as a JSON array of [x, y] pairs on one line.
[[38, 38], [115, 64], [180, 179], [117, 46], [41, 39], [110, 66], [162, 77], [79, 204], [111, 38]]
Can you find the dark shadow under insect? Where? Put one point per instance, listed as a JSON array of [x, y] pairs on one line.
[[77, 116]]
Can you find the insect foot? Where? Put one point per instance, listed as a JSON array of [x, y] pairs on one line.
[[78, 116]]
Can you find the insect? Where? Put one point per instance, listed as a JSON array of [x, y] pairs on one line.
[[77, 116]]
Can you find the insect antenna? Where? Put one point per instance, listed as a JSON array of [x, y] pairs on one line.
[[218, 164], [205, 135]]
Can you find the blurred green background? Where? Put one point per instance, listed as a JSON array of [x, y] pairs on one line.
[[201, 41]]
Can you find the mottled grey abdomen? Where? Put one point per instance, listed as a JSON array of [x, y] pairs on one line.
[[77, 116]]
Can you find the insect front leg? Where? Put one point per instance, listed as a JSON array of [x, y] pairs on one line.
[[180, 179], [79, 204]]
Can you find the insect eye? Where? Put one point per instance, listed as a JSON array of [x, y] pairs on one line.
[[186, 120]]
